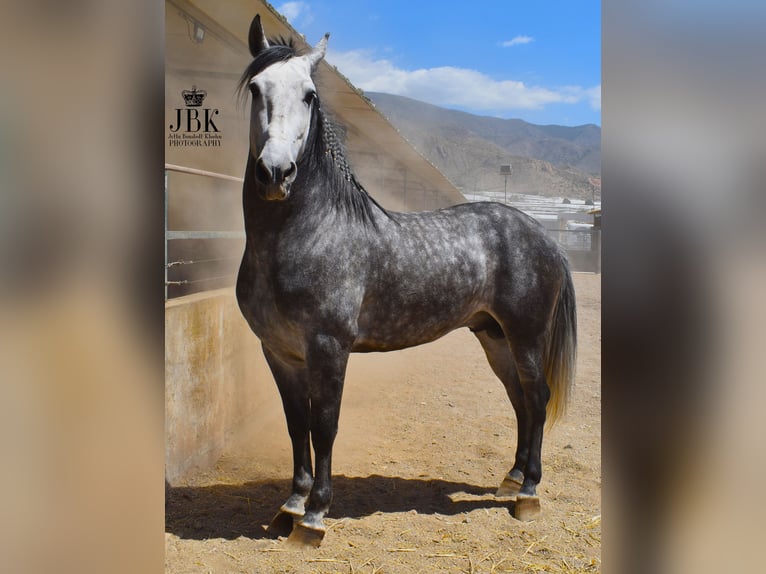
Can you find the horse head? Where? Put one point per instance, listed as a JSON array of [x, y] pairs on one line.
[[283, 97]]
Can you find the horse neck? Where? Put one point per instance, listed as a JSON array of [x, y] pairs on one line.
[[342, 190]]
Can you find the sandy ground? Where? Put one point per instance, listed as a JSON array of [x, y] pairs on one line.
[[425, 438]]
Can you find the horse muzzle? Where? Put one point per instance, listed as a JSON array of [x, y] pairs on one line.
[[276, 179], [278, 192]]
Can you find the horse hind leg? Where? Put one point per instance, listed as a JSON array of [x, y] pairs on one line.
[[528, 357], [501, 360]]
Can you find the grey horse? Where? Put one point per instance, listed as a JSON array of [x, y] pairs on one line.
[[327, 271]]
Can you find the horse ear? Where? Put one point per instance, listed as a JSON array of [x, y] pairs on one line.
[[256, 38], [318, 52]]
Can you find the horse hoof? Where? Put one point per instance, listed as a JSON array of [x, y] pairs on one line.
[[526, 508], [509, 487], [303, 536], [282, 523]]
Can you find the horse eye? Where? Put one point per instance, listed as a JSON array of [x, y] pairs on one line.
[[253, 89], [309, 97]]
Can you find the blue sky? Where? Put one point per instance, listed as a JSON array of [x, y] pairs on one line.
[[539, 61]]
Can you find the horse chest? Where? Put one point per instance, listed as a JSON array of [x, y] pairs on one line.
[[287, 296]]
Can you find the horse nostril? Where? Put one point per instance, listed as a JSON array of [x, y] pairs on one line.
[[262, 172], [290, 173]]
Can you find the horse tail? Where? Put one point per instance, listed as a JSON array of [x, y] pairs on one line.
[[561, 349]]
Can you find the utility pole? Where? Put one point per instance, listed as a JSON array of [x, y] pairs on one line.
[[404, 189], [505, 171]]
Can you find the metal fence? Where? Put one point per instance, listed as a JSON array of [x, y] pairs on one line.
[[582, 246], [200, 260]]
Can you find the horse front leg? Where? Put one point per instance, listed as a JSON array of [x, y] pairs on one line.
[[327, 359], [293, 387]]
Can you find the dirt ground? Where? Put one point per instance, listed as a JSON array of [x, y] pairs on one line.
[[426, 436]]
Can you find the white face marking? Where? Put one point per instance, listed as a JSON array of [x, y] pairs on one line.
[[280, 115]]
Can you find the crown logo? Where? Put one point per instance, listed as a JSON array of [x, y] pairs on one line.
[[194, 97]]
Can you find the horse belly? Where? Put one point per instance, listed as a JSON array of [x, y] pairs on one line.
[[382, 342], [401, 320]]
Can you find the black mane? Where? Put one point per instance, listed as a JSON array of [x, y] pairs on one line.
[[324, 153]]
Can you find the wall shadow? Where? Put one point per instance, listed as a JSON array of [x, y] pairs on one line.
[[231, 511]]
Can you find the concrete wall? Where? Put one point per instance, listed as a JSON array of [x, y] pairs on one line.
[[214, 375]]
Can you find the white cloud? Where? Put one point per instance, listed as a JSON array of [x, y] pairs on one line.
[[455, 87], [294, 11], [517, 40]]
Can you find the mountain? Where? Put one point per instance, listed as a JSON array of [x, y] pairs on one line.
[[546, 160]]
